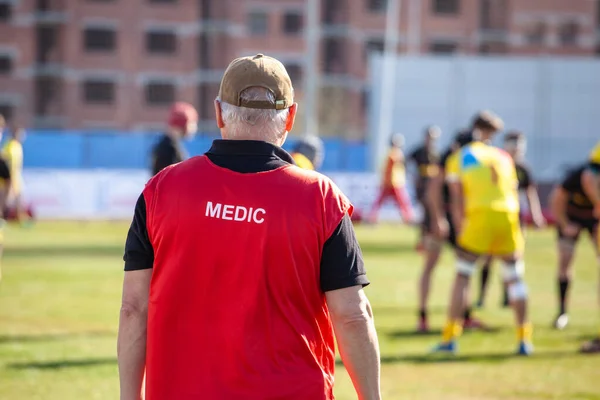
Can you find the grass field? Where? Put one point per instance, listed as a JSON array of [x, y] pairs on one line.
[[59, 306]]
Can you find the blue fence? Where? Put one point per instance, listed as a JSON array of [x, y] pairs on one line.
[[126, 150]]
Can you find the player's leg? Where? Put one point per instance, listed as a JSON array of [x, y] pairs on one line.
[[484, 279], [403, 202], [433, 247], [383, 194], [472, 241], [593, 346], [512, 247], [566, 251]]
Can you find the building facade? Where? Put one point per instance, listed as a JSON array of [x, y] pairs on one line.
[[119, 64]]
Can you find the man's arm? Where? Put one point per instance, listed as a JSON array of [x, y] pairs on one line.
[[352, 319], [535, 207], [131, 344], [5, 190], [558, 205], [433, 195], [456, 204], [342, 278]]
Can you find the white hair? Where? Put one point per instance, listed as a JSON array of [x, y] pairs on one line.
[[244, 123]]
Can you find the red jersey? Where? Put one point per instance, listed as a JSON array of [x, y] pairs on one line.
[[236, 310]]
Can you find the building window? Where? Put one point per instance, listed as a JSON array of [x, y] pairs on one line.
[[6, 64], [160, 93], [100, 39], [333, 54], [292, 23], [446, 6], [295, 73], [373, 46], [377, 5], [207, 92], [99, 91], [537, 34], [205, 11], [258, 23], [7, 111], [162, 1], [443, 47], [568, 33], [161, 42], [5, 11]]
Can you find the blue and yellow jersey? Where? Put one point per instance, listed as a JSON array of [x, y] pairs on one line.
[[13, 154], [488, 177]]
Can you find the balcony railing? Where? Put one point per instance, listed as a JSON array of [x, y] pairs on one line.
[[50, 11]]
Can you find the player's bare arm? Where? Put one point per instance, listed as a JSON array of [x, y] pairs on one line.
[[434, 202], [535, 207], [131, 343], [558, 205], [352, 319]]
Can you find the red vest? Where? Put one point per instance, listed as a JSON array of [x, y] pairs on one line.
[[236, 311]]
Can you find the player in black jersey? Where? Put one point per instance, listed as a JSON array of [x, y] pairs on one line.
[[575, 204], [515, 144], [439, 227], [426, 159]]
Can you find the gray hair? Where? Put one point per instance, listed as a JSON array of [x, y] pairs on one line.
[[255, 124]]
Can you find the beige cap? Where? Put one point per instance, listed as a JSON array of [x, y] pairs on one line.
[[261, 71]]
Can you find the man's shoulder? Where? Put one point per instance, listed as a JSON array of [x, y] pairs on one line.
[[312, 179]]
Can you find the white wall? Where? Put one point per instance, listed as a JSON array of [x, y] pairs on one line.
[[555, 102]]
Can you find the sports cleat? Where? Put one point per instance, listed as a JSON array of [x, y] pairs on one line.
[[561, 322], [525, 348], [591, 347], [423, 326], [446, 348], [474, 324]]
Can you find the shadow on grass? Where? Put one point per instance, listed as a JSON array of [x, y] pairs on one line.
[[401, 311], [62, 364], [64, 251], [401, 334], [53, 337]]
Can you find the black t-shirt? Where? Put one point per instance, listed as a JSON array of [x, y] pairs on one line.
[[572, 185], [342, 262], [524, 176], [424, 158], [166, 152], [4, 170]]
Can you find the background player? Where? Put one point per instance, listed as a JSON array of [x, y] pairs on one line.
[[575, 205], [5, 185], [308, 153], [439, 227], [485, 211], [393, 183], [515, 144], [426, 159], [13, 155], [183, 123]]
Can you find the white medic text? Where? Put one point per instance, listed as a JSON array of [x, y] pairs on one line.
[[235, 213]]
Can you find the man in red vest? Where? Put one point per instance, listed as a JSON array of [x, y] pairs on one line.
[[240, 266]]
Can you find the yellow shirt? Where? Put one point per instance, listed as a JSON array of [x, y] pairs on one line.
[[488, 177], [595, 154], [13, 154]]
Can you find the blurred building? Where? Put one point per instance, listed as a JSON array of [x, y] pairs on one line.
[[103, 64]]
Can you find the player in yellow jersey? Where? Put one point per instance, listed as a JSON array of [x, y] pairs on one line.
[[485, 210], [393, 183], [308, 153], [13, 154]]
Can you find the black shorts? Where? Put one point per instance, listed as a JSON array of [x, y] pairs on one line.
[[451, 239], [588, 224]]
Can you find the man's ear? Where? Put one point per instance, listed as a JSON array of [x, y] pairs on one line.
[[289, 124], [219, 114]]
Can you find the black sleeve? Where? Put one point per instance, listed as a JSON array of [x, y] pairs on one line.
[[572, 182], [4, 170], [139, 253], [527, 179], [342, 262], [163, 156]]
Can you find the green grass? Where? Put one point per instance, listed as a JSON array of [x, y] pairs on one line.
[[59, 304]]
